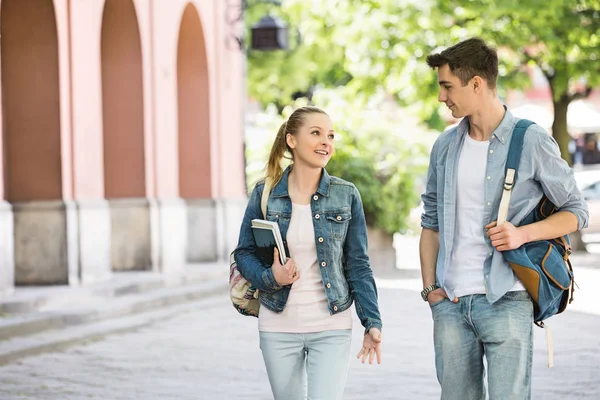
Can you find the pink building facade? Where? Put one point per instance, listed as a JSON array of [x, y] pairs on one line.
[[122, 138]]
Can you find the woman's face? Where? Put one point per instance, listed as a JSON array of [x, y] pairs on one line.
[[313, 144]]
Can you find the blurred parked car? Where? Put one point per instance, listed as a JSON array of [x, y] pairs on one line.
[[588, 181]]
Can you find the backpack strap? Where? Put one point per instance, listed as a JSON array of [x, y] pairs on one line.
[[265, 198], [512, 165]]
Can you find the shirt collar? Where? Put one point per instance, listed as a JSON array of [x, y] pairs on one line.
[[502, 132]]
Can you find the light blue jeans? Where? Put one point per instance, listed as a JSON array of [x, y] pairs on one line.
[[465, 332], [307, 363]]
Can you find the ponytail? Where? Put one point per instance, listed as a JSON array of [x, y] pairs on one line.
[[274, 168]]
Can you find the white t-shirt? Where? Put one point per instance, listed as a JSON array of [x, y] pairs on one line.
[[470, 250], [306, 309]]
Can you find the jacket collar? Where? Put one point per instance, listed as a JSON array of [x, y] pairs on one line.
[[281, 189], [502, 132]]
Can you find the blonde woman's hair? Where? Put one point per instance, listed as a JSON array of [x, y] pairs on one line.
[[280, 146]]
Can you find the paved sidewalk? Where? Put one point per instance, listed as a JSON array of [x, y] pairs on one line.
[[40, 319], [205, 350], [153, 339]]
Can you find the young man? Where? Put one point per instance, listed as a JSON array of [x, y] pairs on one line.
[[479, 307]]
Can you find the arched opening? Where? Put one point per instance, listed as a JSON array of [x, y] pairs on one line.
[[122, 101], [123, 137], [194, 138], [30, 99], [193, 108]]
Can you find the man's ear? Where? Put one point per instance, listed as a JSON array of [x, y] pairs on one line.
[[477, 83], [290, 140]]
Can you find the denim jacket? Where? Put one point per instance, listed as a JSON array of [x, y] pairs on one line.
[[341, 240], [542, 171]]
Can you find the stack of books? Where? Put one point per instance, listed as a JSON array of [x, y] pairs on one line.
[[267, 236]]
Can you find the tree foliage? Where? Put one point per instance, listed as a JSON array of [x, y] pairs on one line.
[[368, 45]]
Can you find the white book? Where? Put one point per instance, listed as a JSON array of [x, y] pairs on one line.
[[261, 225]]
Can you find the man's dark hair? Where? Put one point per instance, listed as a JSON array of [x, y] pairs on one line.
[[469, 58]]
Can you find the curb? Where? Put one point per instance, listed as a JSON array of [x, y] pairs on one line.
[[114, 317]]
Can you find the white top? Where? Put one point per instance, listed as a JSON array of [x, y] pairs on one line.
[[470, 250], [306, 309]]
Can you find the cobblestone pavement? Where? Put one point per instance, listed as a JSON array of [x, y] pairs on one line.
[[208, 351]]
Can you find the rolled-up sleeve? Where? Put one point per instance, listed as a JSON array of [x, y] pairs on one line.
[[429, 217], [558, 180]]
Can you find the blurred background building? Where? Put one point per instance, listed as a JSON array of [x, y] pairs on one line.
[[121, 136]]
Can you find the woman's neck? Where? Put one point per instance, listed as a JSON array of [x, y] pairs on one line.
[[303, 183]]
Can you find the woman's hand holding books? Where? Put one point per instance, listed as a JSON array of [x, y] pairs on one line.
[[284, 274]]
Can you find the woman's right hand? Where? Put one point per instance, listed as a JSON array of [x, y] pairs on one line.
[[284, 274], [437, 295]]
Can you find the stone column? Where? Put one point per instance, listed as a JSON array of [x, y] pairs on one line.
[[7, 256], [94, 241], [131, 242], [148, 235], [202, 231], [229, 213], [173, 235], [46, 243]]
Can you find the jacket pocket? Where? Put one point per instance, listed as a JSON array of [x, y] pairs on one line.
[[338, 223]]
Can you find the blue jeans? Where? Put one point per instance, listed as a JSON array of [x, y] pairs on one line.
[[466, 331], [301, 363]]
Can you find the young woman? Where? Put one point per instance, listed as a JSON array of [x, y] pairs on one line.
[[305, 321]]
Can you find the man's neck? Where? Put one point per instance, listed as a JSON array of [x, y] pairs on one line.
[[484, 122]]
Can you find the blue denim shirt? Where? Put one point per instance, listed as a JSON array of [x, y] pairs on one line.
[[541, 171], [341, 240]]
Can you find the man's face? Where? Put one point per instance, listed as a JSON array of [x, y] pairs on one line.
[[461, 100]]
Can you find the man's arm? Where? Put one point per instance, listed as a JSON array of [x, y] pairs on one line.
[[558, 184], [509, 237], [429, 245], [557, 225]]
